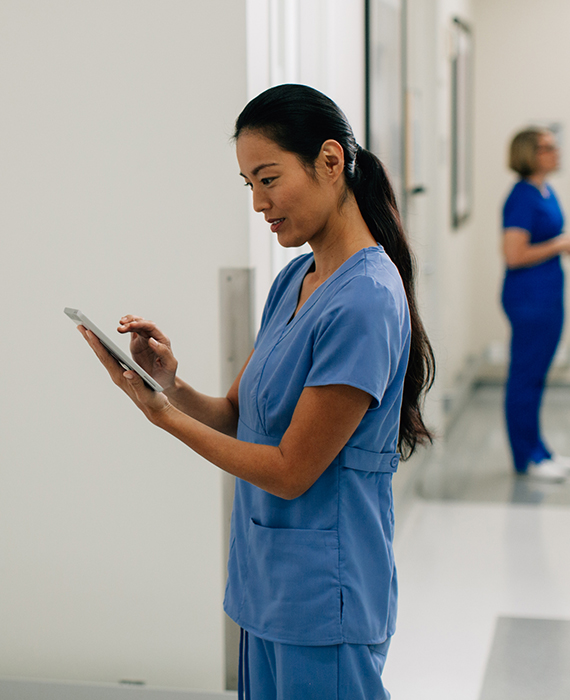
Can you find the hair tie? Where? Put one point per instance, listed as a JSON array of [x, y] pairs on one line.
[[353, 169], [356, 168]]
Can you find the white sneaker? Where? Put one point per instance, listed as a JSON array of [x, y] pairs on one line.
[[563, 462], [547, 470]]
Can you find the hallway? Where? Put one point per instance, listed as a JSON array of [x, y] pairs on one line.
[[484, 569]]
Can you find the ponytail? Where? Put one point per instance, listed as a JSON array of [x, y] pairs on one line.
[[377, 203], [300, 119]]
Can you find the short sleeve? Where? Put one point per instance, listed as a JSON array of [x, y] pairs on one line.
[[360, 340], [519, 209]]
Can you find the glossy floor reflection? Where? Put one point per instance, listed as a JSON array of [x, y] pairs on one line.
[[529, 659], [474, 463], [479, 546]]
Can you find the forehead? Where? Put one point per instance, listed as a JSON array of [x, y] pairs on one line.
[[546, 137], [253, 150]]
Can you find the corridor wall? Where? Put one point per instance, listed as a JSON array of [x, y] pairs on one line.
[[119, 193], [443, 253], [314, 42], [521, 75]]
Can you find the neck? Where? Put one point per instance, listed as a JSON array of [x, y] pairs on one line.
[[346, 236], [538, 180]]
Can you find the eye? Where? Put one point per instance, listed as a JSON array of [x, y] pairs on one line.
[[267, 180], [248, 184]]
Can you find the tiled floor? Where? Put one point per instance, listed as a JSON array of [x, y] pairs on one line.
[[480, 547]]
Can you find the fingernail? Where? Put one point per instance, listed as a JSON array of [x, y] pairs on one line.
[[129, 375], [153, 341]]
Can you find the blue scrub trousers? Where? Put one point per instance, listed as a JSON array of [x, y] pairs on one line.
[[273, 671], [536, 330]]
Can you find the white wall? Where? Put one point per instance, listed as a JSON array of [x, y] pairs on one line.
[[119, 193], [443, 253], [521, 76], [453, 341], [314, 42]]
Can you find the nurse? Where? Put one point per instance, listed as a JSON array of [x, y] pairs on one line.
[[533, 298], [315, 422]]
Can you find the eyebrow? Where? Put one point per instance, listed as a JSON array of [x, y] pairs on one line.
[[256, 170]]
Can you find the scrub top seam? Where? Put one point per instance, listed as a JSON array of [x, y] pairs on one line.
[[302, 272], [253, 430], [340, 562]]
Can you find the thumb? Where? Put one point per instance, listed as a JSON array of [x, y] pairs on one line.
[[134, 380], [159, 348], [163, 354]]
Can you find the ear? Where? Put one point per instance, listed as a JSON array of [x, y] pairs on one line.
[[331, 159]]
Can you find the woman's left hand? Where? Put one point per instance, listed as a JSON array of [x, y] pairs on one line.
[[152, 403]]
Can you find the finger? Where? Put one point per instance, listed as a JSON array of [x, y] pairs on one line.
[[130, 323], [136, 383], [133, 379], [126, 322], [107, 360], [100, 350], [145, 397], [147, 329]]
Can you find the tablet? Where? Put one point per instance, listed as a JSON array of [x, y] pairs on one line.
[[122, 358]]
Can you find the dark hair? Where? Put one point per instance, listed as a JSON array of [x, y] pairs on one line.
[[300, 119]]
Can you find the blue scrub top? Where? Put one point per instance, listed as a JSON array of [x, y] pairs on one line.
[[319, 569], [527, 208]]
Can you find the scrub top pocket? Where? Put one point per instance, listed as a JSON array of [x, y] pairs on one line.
[[293, 587]]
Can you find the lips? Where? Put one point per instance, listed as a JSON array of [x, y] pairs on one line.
[[275, 224]]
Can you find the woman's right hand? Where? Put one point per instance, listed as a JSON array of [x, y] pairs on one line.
[[151, 349]]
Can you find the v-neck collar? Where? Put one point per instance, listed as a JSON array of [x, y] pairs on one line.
[[315, 296]]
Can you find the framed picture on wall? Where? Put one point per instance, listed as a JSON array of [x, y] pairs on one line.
[[461, 122]]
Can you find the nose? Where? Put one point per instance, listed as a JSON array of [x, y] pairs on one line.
[[260, 202]]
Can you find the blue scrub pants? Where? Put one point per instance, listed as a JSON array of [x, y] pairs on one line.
[[536, 331], [273, 671]]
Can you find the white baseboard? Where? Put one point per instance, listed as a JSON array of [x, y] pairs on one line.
[[25, 689]]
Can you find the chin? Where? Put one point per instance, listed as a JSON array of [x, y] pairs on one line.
[[289, 243]]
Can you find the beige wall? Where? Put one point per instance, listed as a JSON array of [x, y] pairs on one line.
[[119, 193]]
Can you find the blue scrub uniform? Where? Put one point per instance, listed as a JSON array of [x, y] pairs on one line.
[[318, 570], [533, 301]]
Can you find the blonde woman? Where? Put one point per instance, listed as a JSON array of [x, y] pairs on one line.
[[532, 297]]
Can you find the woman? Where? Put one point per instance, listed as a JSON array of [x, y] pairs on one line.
[[311, 426], [532, 297]]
